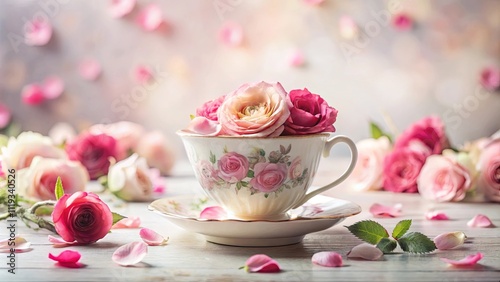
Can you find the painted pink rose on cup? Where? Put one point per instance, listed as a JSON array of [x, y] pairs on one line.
[[296, 169], [233, 167], [401, 170], [207, 173], [82, 217], [309, 114], [428, 132], [368, 173], [268, 177], [489, 171], [94, 152], [443, 180], [254, 110], [209, 109]]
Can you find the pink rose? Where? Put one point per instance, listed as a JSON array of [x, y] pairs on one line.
[[209, 109], [39, 180], [5, 116], [428, 132], [94, 152], [296, 168], [254, 110], [401, 169], [489, 167], [207, 174], [233, 167], [490, 78], [268, 177], [309, 114], [157, 151], [442, 179], [82, 217], [127, 134], [368, 172]]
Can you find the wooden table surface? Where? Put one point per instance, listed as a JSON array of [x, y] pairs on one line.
[[189, 257]]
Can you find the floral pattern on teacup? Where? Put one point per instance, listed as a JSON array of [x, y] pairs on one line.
[[259, 171]]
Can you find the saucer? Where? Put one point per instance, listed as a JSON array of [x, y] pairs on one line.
[[319, 213]]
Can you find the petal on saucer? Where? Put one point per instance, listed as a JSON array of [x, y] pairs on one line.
[[130, 253], [329, 259], [213, 212], [152, 238], [261, 263], [378, 210], [468, 260], [365, 251], [436, 215], [480, 220]]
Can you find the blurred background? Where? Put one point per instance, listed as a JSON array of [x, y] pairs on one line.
[[154, 62]]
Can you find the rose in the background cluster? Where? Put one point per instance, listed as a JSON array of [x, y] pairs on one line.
[[209, 109], [401, 170], [129, 179], [489, 170], [368, 172], [426, 135]]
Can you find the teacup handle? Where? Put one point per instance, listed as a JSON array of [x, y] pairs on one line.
[[326, 152]]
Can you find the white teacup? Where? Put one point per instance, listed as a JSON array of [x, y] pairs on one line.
[[261, 178]]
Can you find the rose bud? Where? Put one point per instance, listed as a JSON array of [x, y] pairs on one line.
[[449, 240]]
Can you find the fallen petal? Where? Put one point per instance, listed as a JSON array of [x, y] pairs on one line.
[[89, 69], [130, 253], [128, 222], [261, 263], [379, 210], [480, 220], [59, 242], [53, 87], [231, 34], [435, 215], [143, 74], [4, 116], [365, 251], [120, 8], [32, 94], [329, 259], [68, 259], [150, 18], [152, 238], [449, 240], [468, 260], [37, 32], [18, 243], [214, 212]]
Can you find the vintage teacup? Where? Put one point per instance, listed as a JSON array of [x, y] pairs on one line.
[[261, 178]]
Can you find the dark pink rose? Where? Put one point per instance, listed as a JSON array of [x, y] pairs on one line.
[[309, 114], [490, 78], [401, 170], [82, 217], [402, 21], [428, 132], [209, 109], [268, 177], [233, 167], [489, 171], [94, 152]]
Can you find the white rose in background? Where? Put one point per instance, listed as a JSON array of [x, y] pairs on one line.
[[39, 179], [127, 134], [61, 133], [129, 179], [368, 172], [158, 153]]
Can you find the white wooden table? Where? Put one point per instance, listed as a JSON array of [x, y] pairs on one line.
[[189, 257]]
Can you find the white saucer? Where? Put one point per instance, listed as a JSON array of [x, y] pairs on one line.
[[317, 214]]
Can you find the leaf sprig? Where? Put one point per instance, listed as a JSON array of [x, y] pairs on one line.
[[372, 232]]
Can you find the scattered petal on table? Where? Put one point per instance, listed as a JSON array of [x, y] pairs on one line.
[[468, 260], [68, 259], [150, 18], [37, 32], [130, 253], [449, 240], [329, 259], [19, 244], [4, 116], [231, 34], [120, 8], [59, 242], [261, 263], [436, 215], [213, 212], [143, 74], [480, 220], [32, 94], [157, 180], [128, 222], [402, 21], [295, 58], [89, 69], [152, 238], [348, 27], [365, 251], [53, 87], [379, 210]]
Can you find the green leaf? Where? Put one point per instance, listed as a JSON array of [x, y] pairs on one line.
[[238, 185], [262, 152], [377, 132], [387, 245], [415, 242], [212, 157], [369, 231], [59, 190], [401, 228], [191, 116], [250, 174], [117, 217]]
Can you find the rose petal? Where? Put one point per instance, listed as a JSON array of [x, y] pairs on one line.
[[32, 94], [4, 116], [157, 180], [89, 69], [449, 240], [231, 34], [379, 210], [435, 215], [130, 253], [261, 263], [143, 74], [468, 260], [329, 259], [53, 87], [365, 251], [480, 220], [59, 242], [120, 8], [68, 259], [128, 222], [152, 238], [37, 32], [150, 18], [214, 212], [20, 245], [204, 126]]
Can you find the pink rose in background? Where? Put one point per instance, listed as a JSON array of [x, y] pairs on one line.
[[296, 169], [309, 114], [207, 173], [82, 217], [442, 179], [61, 133], [32, 94], [127, 134], [428, 132], [368, 172], [37, 32], [254, 110], [94, 152], [402, 21], [268, 177], [233, 167], [489, 171], [157, 151], [490, 78], [401, 169], [231, 34], [209, 109], [4, 116]]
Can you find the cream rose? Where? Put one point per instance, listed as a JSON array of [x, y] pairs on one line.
[[129, 179], [157, 151], [254, 110], [369, 170]]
